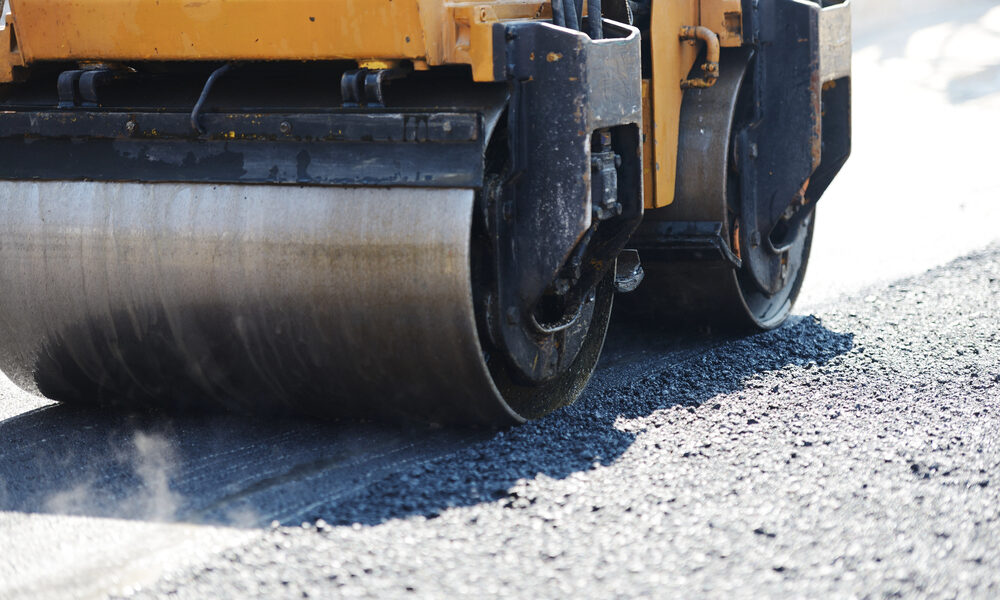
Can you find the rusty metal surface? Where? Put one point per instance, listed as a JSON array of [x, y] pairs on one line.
[[328, 301], [710, 68]]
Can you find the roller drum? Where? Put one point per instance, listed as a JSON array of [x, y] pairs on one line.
[[316, 300]]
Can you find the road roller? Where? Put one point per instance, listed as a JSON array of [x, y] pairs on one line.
[[398, 209]]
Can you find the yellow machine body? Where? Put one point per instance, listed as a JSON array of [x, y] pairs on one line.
[[427, 32], [403, 208]]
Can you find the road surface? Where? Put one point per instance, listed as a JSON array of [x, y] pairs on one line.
[[854, 452]]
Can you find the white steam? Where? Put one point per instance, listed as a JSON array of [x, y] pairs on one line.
[[153, 460]]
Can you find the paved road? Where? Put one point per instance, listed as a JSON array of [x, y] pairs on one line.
[[852, 455], [853, 452]]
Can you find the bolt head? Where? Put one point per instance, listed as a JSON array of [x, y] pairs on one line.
[[508, 210]]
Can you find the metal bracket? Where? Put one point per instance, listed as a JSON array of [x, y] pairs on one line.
[[628, 271], [604, 182], [68, 86], [685, 241], [366, 87], [568, 208], [835, 42], [79, 87]]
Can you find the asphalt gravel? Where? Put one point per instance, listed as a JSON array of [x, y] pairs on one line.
[[853, 453]]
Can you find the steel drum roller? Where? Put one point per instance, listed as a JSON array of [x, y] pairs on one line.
[[317, 300]]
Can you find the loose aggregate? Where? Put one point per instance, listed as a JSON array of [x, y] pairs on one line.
[[852, 453]]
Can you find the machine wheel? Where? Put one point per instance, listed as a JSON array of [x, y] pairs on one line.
[[701, 267], [326, 301], [535, 401], [762, 310]]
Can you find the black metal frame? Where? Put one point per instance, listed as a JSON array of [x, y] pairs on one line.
[[795, 136], [551, 242], [412, 148]]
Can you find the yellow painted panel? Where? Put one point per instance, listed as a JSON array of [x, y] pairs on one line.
[[217, 29], [725, 18], [672, 60], [429, 32]]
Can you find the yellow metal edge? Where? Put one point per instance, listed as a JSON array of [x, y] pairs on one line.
[[11, 60], [468, 32], [672, 59], [647, 143]]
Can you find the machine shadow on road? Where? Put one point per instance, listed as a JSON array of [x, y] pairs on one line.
[[235, 471]]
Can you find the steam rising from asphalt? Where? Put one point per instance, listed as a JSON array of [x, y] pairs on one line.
[[152, 460], [154, 465]]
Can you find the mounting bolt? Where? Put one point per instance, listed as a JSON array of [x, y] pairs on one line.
[[508, 210], [130, 126], [605, 136], [285, 127]]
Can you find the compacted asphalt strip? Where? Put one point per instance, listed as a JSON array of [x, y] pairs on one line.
[[854, 453]]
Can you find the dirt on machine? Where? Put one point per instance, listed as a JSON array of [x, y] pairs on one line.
[[399, 209]]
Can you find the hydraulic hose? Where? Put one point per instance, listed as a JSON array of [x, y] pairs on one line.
[[595, 27], [572, 16], [558, 15]]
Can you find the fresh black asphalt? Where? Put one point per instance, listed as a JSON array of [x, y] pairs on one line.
[[852, 453]]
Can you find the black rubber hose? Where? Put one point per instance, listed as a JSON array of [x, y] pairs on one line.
[[572, 20], [558, 17], [594, 19], [196, 112]]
